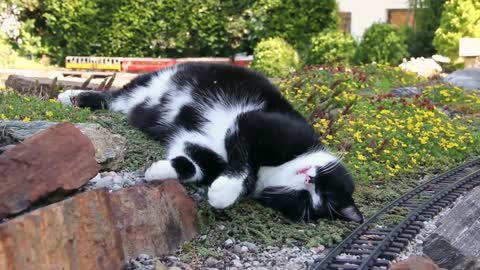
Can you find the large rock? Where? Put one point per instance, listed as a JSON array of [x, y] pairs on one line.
[[468, 78], [57, 160], [154, 219], [78, 233], [109, 148], [415, 263], [455, 244], [98, 229], [426, 67]]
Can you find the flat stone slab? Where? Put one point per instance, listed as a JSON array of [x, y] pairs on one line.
[[455, 244], [57, 160], [468, 78], [109, 148]]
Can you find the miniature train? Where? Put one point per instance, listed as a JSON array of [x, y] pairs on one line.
[[132, 64]]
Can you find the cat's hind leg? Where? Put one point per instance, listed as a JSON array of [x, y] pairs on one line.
[[94, 100]]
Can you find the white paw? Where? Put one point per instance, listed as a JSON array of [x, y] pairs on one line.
[[224, 191], [67, 96], [161, 170]]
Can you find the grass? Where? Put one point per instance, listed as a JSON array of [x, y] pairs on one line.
[[333, 92], [141, 150]]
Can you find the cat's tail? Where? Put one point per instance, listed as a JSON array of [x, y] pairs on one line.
[[95, 100]]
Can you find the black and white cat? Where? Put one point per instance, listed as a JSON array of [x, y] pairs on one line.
[[230, 128]]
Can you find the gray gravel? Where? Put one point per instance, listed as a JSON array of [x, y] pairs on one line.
[[236, 255]]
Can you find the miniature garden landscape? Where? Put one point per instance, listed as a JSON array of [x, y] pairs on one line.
[[396, 122]]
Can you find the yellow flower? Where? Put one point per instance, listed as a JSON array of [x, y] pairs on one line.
[[423, 140], [329, 137], [358, 136], [49, 114], [368, 149], [10, 107], [52, 100], [26, 119], [361, 157], [3, 117]]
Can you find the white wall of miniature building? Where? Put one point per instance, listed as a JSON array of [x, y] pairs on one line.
[[366, 12]]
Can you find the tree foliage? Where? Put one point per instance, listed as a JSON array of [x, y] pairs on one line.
[[427, 20], [460, 18], [171, 28]]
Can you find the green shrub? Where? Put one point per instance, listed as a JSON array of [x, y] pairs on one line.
[[331, 47], [460, 18], [383, 44], [274, 57]]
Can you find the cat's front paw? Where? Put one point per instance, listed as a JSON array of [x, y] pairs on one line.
[[161, 170], [224, 192], [68, 97]]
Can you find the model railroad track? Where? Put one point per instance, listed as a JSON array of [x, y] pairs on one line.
[[378, 240]]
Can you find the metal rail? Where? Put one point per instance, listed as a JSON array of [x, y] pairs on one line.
[[373, 245]]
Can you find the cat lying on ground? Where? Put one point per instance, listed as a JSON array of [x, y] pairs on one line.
[[230, 128]]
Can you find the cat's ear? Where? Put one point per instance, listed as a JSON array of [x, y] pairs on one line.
[[352, 213]]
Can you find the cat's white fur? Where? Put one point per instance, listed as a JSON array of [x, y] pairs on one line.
[[152, 93]]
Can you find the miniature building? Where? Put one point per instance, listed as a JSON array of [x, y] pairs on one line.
[[469, 50]]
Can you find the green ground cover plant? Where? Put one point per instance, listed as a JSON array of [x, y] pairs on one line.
[[381, 136]]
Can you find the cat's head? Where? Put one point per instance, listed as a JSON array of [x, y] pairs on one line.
[[329, 196], [334, 186]]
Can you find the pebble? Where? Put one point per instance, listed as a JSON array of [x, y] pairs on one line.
[[251, 246], [115, 180], [228, 243], [211, 262]]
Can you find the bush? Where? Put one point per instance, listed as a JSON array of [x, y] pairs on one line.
[[382, 43], [378, 135], [274, 57], [331, 47], [460, 18]]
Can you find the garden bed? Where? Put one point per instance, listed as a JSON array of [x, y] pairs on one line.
[[389, 143]]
